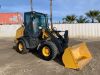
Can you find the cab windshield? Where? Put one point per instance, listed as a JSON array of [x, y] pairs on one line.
[[41, 21]]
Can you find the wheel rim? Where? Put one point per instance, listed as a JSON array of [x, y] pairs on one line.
[[20, 46], [46, 51]]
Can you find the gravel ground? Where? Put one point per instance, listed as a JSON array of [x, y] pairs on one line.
[[13, 63]]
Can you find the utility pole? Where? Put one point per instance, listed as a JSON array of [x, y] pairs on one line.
[[31, 5], [51, 14], [0, 6]]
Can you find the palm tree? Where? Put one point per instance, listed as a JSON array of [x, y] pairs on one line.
[[92, 14], [98, 18], [64, 20], [82, 19], [70, 18]]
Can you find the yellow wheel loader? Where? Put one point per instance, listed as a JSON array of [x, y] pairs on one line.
[[35, 34]]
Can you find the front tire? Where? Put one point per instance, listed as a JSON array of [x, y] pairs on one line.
[[21, 48], [47, 50]]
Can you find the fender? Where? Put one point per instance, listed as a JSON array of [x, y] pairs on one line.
[[40, 44]]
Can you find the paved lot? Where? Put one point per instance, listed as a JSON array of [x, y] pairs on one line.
[[12, 63]]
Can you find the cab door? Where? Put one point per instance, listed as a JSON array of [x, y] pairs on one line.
[[31, 29], [28, 25]]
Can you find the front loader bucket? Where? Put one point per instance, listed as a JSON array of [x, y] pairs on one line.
[[76, 57]]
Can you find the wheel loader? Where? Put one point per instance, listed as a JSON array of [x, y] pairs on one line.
[[35, 34]]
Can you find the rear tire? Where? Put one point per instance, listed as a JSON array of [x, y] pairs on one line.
[[52, 50], [21, 48]]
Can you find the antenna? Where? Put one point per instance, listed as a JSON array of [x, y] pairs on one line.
[[31, 5]]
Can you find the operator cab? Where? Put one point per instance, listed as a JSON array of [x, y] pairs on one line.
[[34, 21]]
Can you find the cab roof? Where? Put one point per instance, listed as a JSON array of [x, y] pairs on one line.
[[34, 12]]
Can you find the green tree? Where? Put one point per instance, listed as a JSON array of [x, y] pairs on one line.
[[64, 20], [70, 19], [82, 19], [92, 14], [98, 18]]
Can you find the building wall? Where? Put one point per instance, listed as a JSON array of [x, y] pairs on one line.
[[75, 30], [88, 30], [8, 30]]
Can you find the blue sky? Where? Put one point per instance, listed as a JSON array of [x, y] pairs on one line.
[[61, 8]]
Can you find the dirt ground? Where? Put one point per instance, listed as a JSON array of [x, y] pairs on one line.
[[13, 63]]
